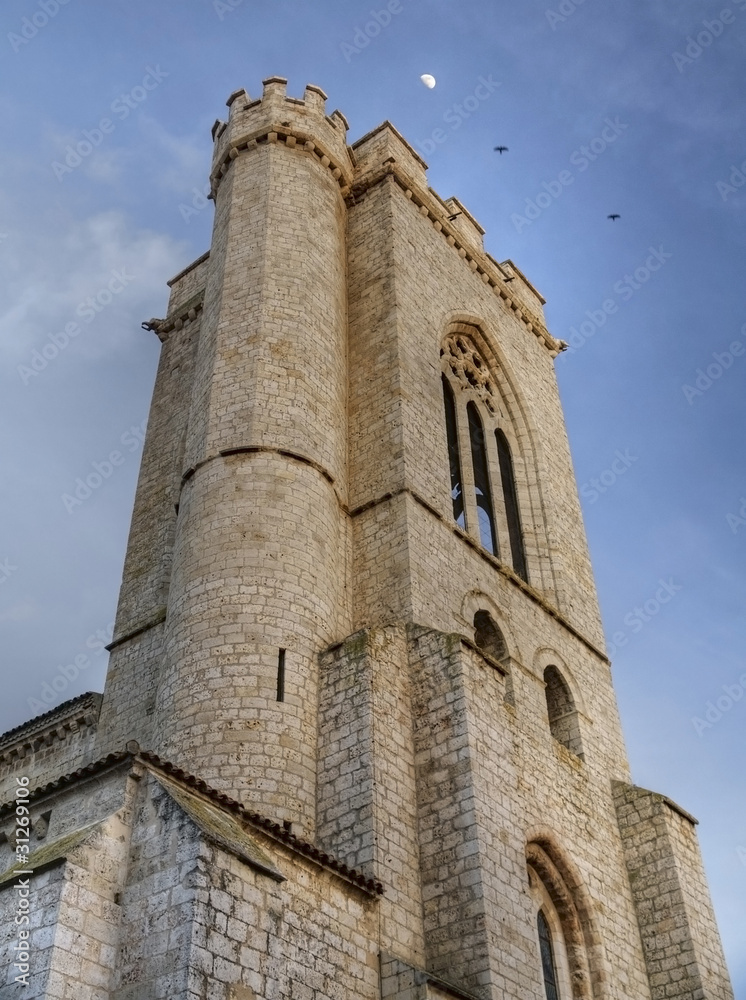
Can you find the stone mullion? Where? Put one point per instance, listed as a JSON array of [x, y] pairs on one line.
[[467, 467], [504, 552]]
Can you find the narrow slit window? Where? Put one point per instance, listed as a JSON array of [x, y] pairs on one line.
[[454, 459], [485, 513], [281, 675], [512, 513], [547, 958]]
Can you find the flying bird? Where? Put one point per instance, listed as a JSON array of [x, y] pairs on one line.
[[613, 217], [501, 149]]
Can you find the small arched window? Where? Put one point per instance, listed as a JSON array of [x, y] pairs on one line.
[[490, 641], [547, 957], [563, 716], [512, 513], [454, 459], [483, 492], [489, 638]]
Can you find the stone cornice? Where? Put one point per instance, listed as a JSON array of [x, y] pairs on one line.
[[71, 717], [294, 139], [185, 313], [157, 619], [478, 261], [190, 267]]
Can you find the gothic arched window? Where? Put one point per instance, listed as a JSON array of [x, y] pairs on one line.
[[515, 534], [482, 491], [547, 957], [454, 459], [563, 716], [569, 960], [485, 502]]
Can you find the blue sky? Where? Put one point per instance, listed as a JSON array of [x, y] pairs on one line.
[[608, 107]]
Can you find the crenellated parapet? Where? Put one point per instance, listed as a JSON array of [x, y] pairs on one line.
[[300, 123]]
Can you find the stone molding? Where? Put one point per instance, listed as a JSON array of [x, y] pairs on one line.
[[73, 716]]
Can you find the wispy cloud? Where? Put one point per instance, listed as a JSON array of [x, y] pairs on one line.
[[51, 273]]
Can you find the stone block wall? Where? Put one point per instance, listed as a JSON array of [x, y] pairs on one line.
[[367, 790], [682, 946], [147, 889], [137, 647], [147, 568], [261, 560], [79, 852], [451, 862], [410, 278]]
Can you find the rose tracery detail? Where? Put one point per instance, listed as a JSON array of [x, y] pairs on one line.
[[461, 355]]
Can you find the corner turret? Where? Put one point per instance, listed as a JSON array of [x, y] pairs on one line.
[[275, 117]]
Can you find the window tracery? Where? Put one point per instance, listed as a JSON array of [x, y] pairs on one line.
[[486, 504], [454, 458], [467, 364], [482, 487]]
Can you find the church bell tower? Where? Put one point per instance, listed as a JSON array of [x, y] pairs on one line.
[[358, 615]]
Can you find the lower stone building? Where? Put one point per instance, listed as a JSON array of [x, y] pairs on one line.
[[359, 735]]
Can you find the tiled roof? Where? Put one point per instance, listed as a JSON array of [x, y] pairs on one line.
[[272, 829]]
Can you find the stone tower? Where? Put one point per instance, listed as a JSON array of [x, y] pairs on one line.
[[359, 736]]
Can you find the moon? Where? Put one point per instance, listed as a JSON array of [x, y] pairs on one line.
[[428, 80]]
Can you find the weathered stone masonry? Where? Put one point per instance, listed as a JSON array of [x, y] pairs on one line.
[[359, 736]]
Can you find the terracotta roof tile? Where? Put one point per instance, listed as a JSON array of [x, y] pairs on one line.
[[275, 830]]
